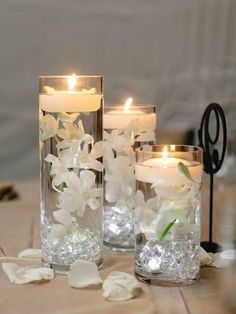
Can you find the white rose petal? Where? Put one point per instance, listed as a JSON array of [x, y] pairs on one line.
[[31, 253], [120, 286], [83, 274], [21, 275], [205, 258]]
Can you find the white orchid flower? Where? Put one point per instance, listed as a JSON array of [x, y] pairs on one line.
[[49, 126], [68, 160], [73, 137], [82, 158], [58, 168], [145, 214], [87, 160], [79, 193], [120, 182], [139, 131], [118, 142], [153, 216]]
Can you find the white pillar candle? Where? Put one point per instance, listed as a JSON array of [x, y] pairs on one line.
[[121, 116]]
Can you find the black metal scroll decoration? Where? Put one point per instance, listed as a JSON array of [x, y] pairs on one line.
[[213, 158]]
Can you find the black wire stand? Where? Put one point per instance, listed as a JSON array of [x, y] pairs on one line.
[[213, 157]]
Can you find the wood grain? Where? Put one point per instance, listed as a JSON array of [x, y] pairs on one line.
[[19, 229]]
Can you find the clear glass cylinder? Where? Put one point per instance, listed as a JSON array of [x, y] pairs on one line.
[[125, 128], [71, 148], [167, 214]]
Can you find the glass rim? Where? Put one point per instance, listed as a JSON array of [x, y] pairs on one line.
[[136, 106], [66, 76], [194, 148]]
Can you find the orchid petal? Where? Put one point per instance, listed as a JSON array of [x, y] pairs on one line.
[[97, 150], [88, 179], [49, 126], [93, 203], [56, 234], [63, 216], [69, 118]]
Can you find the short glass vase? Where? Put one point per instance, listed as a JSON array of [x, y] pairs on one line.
[[167, 214]]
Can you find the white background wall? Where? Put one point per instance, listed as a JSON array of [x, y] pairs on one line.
[[179, 54]]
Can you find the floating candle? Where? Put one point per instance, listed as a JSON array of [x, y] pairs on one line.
[[121, 116], [70, 100]]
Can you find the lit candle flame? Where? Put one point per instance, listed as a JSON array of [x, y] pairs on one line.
[[72, 81], [128, 103], [165, 153]]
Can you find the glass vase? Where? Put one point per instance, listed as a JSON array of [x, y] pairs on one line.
[[125, 128], [167, 214], [70, 119]]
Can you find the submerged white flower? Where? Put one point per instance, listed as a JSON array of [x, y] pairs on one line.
[[146, 213], [63, 217], [84, 159], [120, 182], [68, 117], [56, 234], [48, 126], [67, 160], [71, 131], [118, 142], [141, 132], [58, 168], [73, 137], [88, 160], [153, 216], [79, 193]]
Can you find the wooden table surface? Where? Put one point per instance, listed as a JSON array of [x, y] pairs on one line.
[[19, 229]]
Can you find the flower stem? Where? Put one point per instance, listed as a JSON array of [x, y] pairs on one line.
[[167, 229]]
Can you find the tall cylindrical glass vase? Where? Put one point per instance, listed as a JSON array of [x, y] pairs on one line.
[[70, 118], [125, 128]]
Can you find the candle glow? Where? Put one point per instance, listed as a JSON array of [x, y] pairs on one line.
[[165, 152], [72, 81], [127, 104]]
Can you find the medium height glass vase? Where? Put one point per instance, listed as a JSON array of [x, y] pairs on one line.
[[125, 128], [167, 214], [70, 119]]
